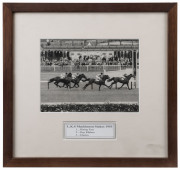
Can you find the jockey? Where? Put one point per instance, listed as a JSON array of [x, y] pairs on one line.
[[63, 75], [99, 76], [74, 75]]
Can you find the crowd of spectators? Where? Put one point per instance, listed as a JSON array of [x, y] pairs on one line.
[[63, 58]]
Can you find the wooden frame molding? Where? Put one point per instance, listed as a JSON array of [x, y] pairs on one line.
[[10, 8]]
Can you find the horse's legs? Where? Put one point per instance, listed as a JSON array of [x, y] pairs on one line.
[[106, 86], [121, 86], [69, 85], [64, 85], [72, 81], [128, 86], [86, 85], [56, 83], [77, 85], [50, 81], [112, 84], [99, 87]]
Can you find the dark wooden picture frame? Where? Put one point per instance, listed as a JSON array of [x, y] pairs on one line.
[[10, 8]]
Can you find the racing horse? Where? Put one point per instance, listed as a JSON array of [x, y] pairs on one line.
[[78, 79], [124, 80], [57, 80], [100, 82]]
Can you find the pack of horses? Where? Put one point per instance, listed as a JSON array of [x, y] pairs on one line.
[[68, 81]]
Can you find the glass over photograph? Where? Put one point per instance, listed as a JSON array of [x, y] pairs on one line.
[[89, 75]]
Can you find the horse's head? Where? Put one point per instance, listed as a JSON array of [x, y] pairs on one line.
[[80, 76], [105, 77], [129, 76], [83, 76]]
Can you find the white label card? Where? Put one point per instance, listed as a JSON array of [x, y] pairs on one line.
[[89, 130]]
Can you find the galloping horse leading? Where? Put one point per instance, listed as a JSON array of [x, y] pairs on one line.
[[57, 80], [100, 82], [124, 80]]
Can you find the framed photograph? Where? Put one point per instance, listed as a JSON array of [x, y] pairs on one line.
[[90, 85], [89, 67]]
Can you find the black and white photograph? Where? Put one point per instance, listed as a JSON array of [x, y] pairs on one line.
[[89, 75]]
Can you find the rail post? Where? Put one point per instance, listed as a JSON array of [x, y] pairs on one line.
[[135, 82]]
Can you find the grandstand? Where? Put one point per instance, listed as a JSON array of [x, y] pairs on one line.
[[89, 52], [90, 55]]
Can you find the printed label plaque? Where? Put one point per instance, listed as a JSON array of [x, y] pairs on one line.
[[89, 130]]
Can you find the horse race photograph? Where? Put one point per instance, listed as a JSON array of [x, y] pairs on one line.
[[89, 75]]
